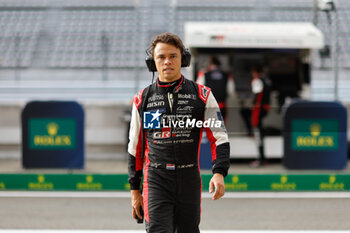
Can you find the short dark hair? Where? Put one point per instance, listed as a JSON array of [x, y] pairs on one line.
[[214, 61], [257, 67], [166, 38]]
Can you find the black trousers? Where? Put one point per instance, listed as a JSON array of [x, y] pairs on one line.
[[246, 114], [259, 135], [172, 200]]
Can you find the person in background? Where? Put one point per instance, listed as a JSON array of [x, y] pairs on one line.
[[216, 80], [261, 105]]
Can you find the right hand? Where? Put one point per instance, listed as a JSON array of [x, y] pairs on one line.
[[136, 202]]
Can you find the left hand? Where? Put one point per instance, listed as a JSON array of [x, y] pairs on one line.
[[218, 182]]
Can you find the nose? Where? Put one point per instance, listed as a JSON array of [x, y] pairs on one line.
[[167, 61]]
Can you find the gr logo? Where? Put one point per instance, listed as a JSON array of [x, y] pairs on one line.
[[164, 134], [151, 120]]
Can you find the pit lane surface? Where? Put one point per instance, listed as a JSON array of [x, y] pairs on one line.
[[238, 211]]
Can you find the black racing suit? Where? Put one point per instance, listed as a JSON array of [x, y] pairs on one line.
[[169, 154], [216, 79], [261, 106]]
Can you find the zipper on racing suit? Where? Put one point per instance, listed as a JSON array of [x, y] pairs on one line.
[[171, 101], [171, 105]]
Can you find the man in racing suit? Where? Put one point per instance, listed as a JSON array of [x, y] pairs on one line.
[[165, 135], [217, 80], [261, 106]]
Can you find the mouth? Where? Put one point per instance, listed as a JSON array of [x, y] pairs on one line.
[[167, 70]]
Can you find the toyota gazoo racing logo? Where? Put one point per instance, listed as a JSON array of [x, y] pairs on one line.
[[165, 133], [154, 120]]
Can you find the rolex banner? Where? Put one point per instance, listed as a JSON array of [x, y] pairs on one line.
[[315, 135], [53, 135]]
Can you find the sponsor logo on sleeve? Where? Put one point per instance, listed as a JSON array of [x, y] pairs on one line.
[[205, 92]]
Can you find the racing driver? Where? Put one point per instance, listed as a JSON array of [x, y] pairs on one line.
[[168, 119]]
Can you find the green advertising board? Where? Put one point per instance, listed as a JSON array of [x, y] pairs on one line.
[[52, 133], [315, 134], [233, 182]]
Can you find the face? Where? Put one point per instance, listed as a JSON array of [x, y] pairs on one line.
[[168, 62], [254, 74]]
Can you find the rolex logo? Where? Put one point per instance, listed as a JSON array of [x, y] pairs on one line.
[[312, 134], [89, 179], [332, 179], [315, 129], [41, 179], [284, 179], [52, 133], [52, 129]]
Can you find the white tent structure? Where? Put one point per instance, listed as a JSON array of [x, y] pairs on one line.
[[253, 35]]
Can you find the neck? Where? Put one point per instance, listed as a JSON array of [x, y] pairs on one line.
[[212, 67], [162, 79], [256, 75]]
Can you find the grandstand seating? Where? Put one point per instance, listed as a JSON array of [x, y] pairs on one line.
[[19, 33], [214, 4], [23, 3], [79, 40], [55, 36], [303, 4]]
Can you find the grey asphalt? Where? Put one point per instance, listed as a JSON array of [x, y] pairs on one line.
[[224, 214], [119, 166]]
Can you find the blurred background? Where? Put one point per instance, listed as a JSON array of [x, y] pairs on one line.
[[93, 52]]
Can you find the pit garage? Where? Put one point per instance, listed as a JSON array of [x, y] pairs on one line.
[[284, 49]]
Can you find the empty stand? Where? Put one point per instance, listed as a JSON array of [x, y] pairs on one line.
[[19, 33], [52, 41], [82, 35]]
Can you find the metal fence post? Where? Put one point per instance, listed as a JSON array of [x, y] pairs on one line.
[[105, 52]]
